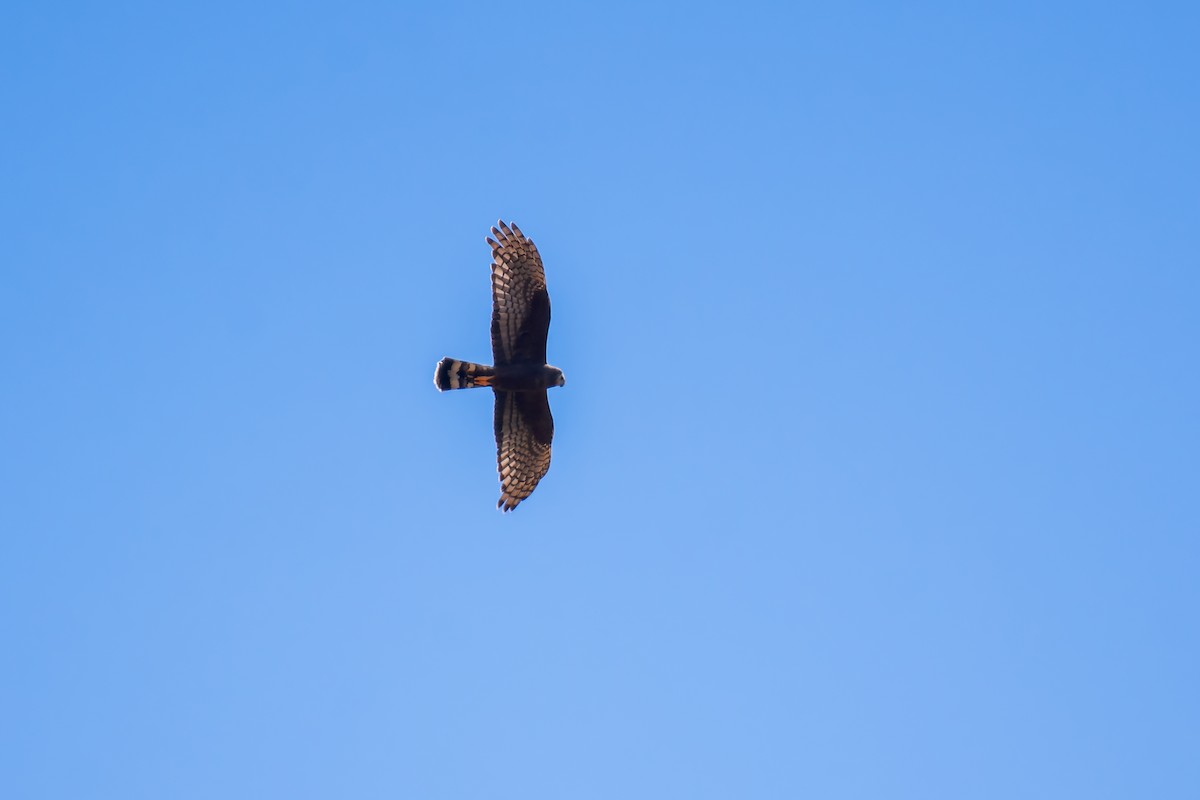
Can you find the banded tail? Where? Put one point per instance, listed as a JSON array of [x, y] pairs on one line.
[[453, 374]]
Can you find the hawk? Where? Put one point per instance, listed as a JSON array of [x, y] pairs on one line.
[[520, 375]]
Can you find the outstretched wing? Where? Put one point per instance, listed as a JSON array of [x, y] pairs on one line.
[[524, 429], [520, 303]]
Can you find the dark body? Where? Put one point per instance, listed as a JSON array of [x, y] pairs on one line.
[[519, 376], [525, 377]]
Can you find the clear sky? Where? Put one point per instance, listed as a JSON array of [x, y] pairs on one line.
[[876, 470]]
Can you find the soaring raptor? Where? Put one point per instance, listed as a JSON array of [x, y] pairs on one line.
[[520, 376]]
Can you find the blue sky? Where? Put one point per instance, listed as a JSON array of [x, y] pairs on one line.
[[876, 470]]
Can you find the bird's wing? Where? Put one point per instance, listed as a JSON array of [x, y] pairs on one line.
[[524, 429], [520, 303]]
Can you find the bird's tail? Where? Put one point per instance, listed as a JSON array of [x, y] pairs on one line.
[[451, 374]]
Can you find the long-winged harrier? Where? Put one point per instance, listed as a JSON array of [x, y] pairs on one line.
[[520, 376]]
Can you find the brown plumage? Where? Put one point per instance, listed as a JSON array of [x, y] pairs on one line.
[[520, 376]]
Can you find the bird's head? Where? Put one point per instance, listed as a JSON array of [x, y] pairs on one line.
[[555, 376]]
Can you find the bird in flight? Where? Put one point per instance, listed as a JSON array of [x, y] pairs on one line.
[[520, 375]]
